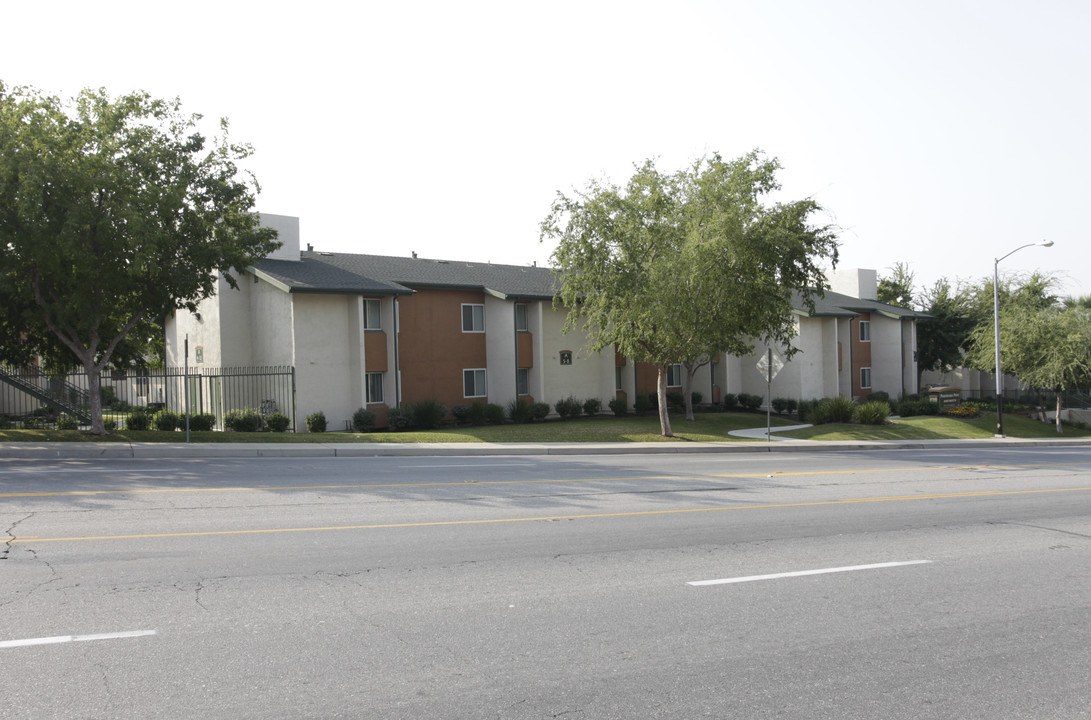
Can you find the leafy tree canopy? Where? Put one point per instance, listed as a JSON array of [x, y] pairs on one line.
[[1048, 348], [897, 288], [684, 266], [113, 212]]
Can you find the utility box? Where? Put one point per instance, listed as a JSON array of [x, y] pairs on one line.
[[946, 397]]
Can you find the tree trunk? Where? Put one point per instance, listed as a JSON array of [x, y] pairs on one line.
[[664, 417], [94, 390], [1060, 430], [1043, 416], [687, 388]]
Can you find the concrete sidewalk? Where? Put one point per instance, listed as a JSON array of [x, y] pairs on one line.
[[88, 450]]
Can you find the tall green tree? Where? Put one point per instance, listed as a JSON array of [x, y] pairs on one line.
[[679, 268], [1048, 348], [943, 335], [113, 213], [897, 287]]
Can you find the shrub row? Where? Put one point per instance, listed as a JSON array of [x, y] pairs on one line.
[[843, 410], [247, 420], [746, 401], [479, 413], [521, 410]]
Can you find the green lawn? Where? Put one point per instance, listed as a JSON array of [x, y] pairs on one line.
[[935, 428], [709, 427]]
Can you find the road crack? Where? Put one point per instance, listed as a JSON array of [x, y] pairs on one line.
[[1043, 527], [12, 536]]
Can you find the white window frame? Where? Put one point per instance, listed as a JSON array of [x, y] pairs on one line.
[[378, 378], [479, 392], [522, 381], [865, 372], [476, 318], [676, 370], [370, 303], [865, 331], [521, 322], [617, 378]]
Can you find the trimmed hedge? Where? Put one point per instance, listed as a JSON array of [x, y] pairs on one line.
[[316, 422], [243, 420], [363, 420], [201, 422], [277, 422]]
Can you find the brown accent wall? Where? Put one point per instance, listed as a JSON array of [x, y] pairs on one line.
[[861, 355], [432, 349], [647, 378], [525, 343], [375, 351], [619, 359]]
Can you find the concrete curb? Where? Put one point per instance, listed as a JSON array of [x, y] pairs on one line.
[[110, 450]]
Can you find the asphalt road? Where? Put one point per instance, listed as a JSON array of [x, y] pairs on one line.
[[529, 587]]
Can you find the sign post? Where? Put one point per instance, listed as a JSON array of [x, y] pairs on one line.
[[769, 365], [185, 386]]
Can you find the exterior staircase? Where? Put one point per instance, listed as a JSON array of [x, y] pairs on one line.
[[53, 390]]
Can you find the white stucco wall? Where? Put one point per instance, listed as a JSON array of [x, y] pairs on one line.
[[236, 321], [591, 375], [855, 282], [844, 375], [909, 371], [270, 325], [326, 350], [287, 227], [500, 349], [886, 355]]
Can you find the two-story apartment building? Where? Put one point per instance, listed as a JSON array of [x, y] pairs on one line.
[[377, 331]]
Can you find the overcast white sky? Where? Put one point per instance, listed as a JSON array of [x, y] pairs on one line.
[[939, 133]]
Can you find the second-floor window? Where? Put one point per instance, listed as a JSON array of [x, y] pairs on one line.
[[520, 317], [473, 318], [865, 331], [372, 316]]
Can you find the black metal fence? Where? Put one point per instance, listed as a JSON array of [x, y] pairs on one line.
[[1024, 396], [29, 396]]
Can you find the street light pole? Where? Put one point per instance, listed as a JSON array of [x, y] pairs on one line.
[[996, 333]]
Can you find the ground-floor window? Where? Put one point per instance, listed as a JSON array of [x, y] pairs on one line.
[[473, 382], [865, 377], [674, 375], [374, 387], [617, 377], [522, 381]]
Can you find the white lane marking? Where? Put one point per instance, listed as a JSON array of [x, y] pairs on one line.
[[469, 465], [74, 638], [800, 573]]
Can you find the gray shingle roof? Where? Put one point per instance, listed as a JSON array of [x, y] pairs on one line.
[[838, 305], [321, 272]]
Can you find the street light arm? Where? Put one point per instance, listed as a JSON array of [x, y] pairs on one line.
[[1040, 243], [996, 333]]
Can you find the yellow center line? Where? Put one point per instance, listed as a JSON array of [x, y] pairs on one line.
[[487, 521], [547, 481]]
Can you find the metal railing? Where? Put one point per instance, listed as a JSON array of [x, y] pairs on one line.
[[1026, 396], [55, 392], [30, 393]]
